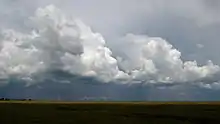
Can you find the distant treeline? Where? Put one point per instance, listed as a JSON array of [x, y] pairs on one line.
[[7, 99]]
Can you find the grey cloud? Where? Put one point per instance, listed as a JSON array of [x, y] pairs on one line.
[[50, 90], [212, 4]]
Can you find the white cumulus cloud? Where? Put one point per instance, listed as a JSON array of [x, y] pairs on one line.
[[62, 42], [149, 58]]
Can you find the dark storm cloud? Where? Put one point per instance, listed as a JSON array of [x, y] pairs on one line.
[[111, 92]]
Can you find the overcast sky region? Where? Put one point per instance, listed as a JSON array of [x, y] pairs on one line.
[[145, 50]]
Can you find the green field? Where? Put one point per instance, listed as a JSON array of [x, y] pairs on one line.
[[31, 112]]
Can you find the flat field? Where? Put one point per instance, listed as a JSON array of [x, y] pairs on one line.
[[40, 112]]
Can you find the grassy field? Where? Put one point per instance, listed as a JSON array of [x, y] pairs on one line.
[[33, 112]]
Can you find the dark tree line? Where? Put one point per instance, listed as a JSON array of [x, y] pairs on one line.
[[7, 99]]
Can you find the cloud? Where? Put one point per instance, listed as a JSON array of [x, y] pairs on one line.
[[58, 42], [155, 59], [61, 42], [185, 24], [83, 88]]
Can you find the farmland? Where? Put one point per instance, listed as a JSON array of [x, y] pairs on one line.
[[44, 112]]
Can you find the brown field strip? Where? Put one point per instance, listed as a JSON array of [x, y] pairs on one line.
[[101, 102]]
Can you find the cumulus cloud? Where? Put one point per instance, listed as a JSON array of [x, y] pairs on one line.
[[57, 42], [61, 42], [155, 59]]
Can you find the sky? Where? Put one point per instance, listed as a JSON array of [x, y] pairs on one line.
[[124, 50]]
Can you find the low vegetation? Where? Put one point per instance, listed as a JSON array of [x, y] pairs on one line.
[[36, 112]]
